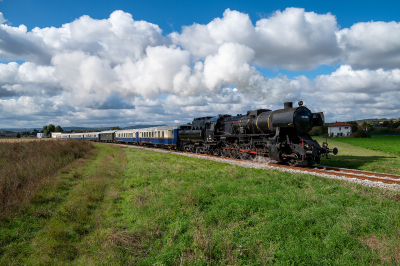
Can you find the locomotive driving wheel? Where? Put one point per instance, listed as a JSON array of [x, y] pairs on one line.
[[225, 153], [293, 162], [216, 152], [244, 156], [234, 152]]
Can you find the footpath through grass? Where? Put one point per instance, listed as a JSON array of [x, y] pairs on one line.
[[138, 207], [67, 221], [355, 154]]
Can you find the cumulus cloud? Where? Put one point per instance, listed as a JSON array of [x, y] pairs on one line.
[[120, 68], [345, 79], [371, 45], [292, 39]]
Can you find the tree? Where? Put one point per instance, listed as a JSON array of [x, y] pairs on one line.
[[18, 135], [385, 123], [45, 130], [361, 134], [4, 132], [116, 128], [354, 126], [59, 129], [319, 131], [48, 129], [34, 132]]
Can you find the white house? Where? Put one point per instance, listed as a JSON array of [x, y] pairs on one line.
[[40, 135], [339, 129]]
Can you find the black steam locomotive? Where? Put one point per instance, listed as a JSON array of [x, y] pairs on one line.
[[281, 135]]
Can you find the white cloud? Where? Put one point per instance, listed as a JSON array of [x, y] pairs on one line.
[[2, 19], [292, 39], [345, 79], [123, 70], [372, 45]]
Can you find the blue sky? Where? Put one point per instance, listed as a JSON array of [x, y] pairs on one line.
[[347, 54], [172, 15]]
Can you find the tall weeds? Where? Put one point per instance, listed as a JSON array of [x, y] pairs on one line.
[[25, 165]]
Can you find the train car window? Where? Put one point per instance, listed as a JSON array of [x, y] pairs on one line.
[[162, 133]]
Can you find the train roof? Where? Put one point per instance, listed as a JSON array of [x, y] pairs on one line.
[[159, 128], [128, 130]]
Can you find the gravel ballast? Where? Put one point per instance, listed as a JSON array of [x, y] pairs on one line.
[[263, 163]]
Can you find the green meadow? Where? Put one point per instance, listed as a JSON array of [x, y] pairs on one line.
[[128, 206], [378, 154]]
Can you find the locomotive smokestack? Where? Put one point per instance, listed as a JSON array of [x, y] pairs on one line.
[[287, 105]]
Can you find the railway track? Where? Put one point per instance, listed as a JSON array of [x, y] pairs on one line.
[[327, 170]]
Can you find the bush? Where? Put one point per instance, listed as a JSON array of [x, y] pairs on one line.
[[318, 131], [361, 134], [382, 130]]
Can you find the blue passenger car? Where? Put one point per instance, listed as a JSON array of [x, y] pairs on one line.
[[94, 136], [160, 136], [76, 136], [63, 136], [126, 136]]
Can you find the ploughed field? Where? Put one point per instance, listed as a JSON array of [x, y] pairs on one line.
[[131, 206], [377, 154]]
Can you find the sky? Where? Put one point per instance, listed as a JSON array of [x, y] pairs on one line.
[[109, 63]]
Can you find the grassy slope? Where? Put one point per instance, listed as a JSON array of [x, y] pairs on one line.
[[356, 157], [167, 209], [190, 211]]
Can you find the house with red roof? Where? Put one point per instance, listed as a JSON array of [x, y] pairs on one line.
[[339, 129]]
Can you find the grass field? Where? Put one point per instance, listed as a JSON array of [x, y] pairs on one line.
[[359, 157], [138, 207], [388, 144]]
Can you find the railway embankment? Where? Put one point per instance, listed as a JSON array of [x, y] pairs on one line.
[[135, 206]]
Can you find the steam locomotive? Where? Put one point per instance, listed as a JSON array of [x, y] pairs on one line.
[[282, 135]]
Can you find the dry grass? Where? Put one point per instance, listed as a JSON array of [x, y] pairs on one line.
[[383, 248], [24, 166]]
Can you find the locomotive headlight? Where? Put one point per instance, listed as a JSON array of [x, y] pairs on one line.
[[300, 103]]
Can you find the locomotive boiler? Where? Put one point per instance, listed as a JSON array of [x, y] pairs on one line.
[[281, 135]]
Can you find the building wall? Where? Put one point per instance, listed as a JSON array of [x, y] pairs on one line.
[[340, 131], [40, 135]]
